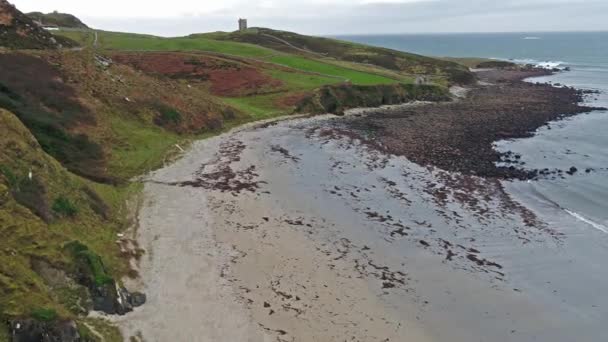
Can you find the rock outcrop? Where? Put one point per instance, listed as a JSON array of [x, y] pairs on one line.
[[30, 330], [18, 31], [58, 19]]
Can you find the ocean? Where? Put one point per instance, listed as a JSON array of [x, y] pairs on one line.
[[573, 204]]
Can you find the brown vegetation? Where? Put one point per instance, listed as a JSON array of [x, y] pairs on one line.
[[225, 77]]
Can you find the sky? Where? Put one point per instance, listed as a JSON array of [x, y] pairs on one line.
[[333, 17]]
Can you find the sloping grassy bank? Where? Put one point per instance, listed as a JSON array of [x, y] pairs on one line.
[[338, 50], [338, 98], [44, 209], [74, 128]]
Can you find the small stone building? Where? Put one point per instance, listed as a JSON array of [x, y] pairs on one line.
[[242, 24]]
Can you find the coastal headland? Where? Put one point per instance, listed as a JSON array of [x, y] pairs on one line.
[[262, 185]]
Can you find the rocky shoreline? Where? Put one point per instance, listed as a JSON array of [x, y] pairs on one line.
[[317, 229], [459, 136]]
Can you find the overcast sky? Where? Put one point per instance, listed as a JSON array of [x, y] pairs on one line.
[[181, 17]]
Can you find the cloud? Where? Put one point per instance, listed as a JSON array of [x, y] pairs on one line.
[[335, 16]]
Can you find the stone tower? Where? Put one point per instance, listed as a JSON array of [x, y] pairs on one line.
[[242, 25]]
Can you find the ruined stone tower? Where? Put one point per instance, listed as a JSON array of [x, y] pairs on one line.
[[242, 25]]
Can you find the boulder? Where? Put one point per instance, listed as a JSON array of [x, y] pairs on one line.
[[30, 330]]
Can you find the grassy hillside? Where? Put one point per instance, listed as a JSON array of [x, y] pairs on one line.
[[299, 73], [326, 48], [40, 216], [58, 19], [480, 63], [18, 31], [94, 118], [134, 42]]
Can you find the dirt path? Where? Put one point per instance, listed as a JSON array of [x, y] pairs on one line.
[[95, 41], [284, 42]]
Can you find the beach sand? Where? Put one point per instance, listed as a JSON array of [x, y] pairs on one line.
[[302, 231]]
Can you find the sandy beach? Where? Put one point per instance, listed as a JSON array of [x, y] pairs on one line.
[[303, 231]]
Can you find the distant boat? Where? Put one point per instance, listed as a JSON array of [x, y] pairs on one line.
[[532, 38]]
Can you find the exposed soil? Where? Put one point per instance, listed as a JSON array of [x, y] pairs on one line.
[[458, 136], [226, 77]]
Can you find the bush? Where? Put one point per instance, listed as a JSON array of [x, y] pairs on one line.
[[90, 268], [337, 98], [44, 314], [495, 64], [168, 116], [461, 77], [63, 207], [9, 175]]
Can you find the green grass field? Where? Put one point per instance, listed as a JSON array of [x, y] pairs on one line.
[[311, 65], [259, 107], [139, 42], [142, 148], [302, 81]]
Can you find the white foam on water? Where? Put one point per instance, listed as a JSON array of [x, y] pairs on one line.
[[581, 218], [532, 38], [542, 64]]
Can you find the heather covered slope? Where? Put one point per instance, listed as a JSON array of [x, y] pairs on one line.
[[100, 119], [74, 128], [18, 31], [256, 79]]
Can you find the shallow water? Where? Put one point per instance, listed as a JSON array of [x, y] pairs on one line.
[[547, 289], [312, 235], [442, 256], [575, 142], [580, 141]]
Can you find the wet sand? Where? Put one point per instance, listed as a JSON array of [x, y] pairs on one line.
[[302, 231]]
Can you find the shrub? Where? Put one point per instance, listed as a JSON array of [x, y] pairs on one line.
[[168, 116], [64, 207], [496, 64], [44, 314], [90, 268], [9, 175], [462, 77]]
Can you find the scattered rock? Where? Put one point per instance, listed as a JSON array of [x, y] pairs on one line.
[[459, 136], [35, 331], [103, 62], [137, 299]]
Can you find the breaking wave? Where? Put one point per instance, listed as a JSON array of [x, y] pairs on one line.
[[581, 218], [542, 64]]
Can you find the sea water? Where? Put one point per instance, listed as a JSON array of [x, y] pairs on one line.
[[576, 204]]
